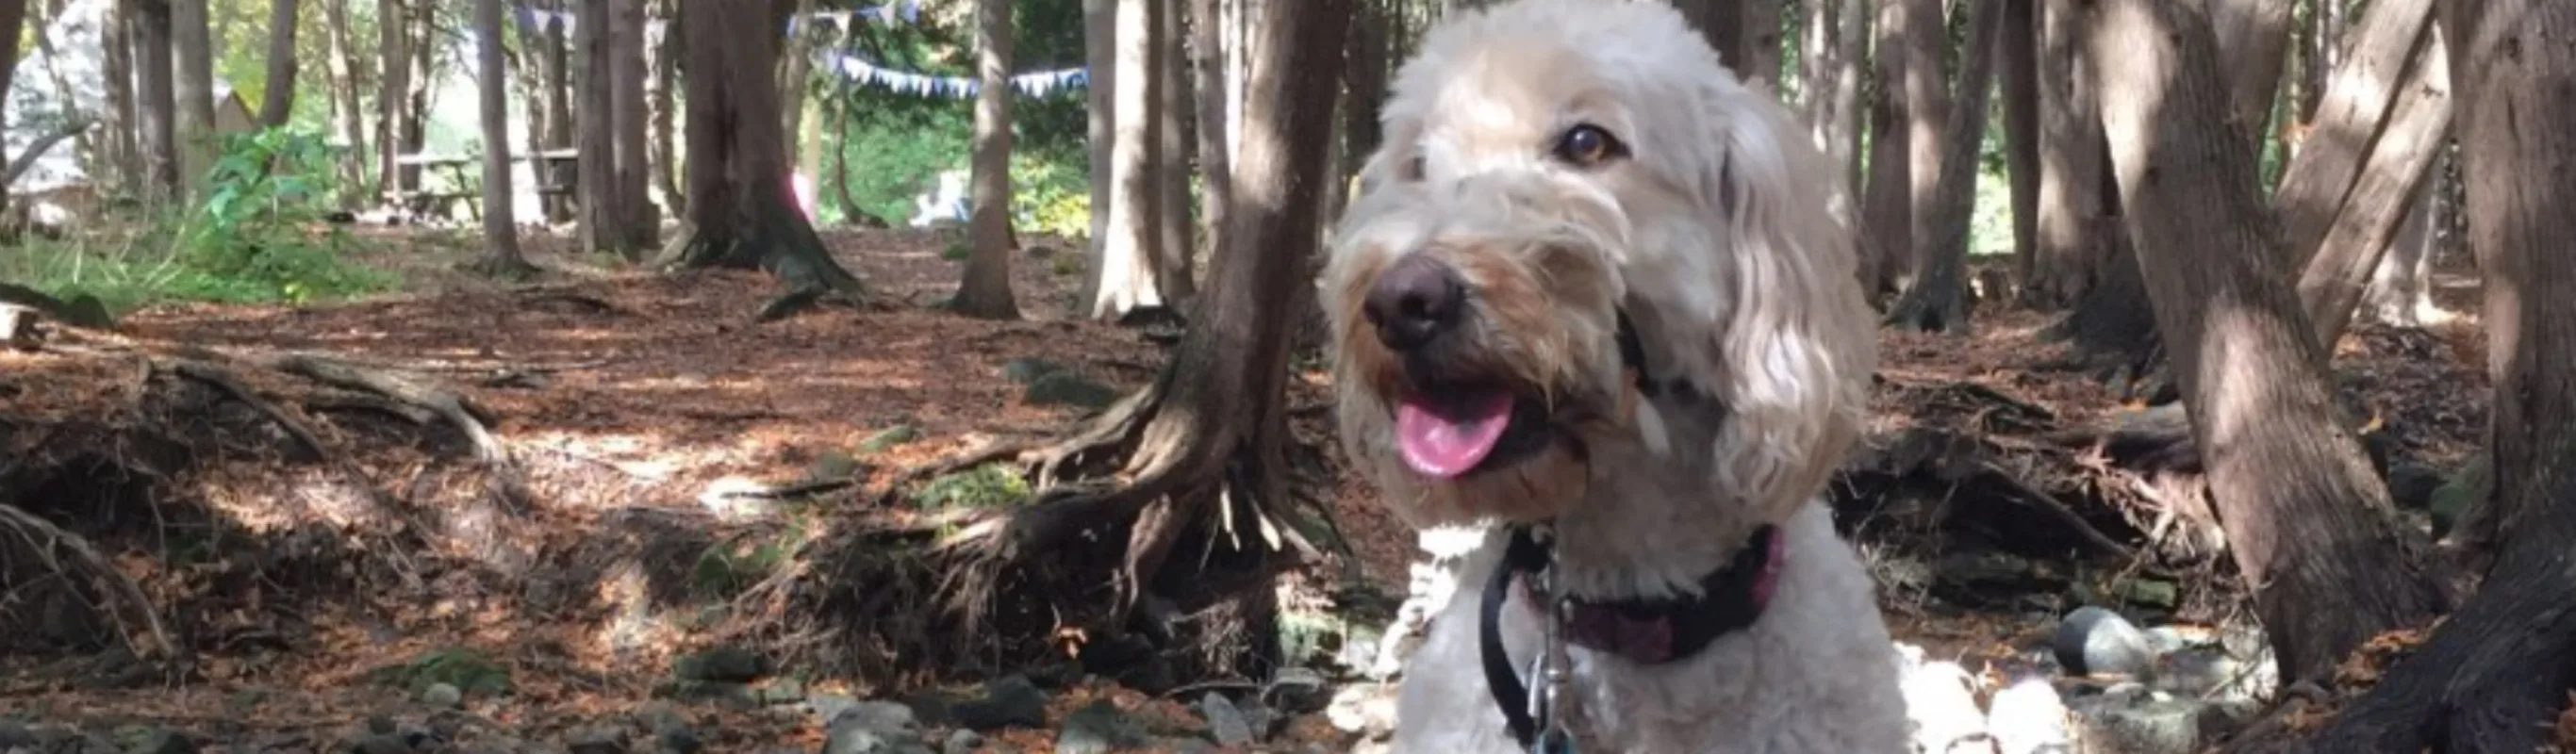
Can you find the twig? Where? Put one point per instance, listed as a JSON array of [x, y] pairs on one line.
[[799, 489], [2059, 509], [43, 537]]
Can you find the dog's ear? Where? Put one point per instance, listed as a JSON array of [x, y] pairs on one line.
[[1798, 349]]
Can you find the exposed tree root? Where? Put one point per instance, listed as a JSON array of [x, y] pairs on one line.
[[71, 556]]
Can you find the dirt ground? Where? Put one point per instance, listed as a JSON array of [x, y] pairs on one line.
[[623, 396]]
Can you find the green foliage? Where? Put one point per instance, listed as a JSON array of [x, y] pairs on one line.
[[725, 570], [468, 670], [986, 486], [261, 228]]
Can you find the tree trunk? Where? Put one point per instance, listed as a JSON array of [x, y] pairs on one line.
[[602, 209], [1926, 38], [1851, 62], [156, 102], [1100, 56], [393, 83], [277, 103], [124, 169], [193, 86], [492, 84], [2399, 291], [2357, 99], [984, 290], [1207, 33], [739, 204], [2020, 68], [795, 66], [1762, 49], [1722, 23], [1888, 246], [1366, 68], [2253, 45], [629, 120], [1938, 301], [2339, 269], [2075, 226], [1176, 235], [665, 159], [1211, 431], [347, 109], [2495, 676], [13, 23], [2325, 40], [1130, 256], [560, 124], [421, 26], [2309, 524]]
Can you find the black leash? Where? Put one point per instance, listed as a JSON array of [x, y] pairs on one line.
[[1524, 555]]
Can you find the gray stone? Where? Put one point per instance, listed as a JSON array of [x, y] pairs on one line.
[[1027, 371], [377, 743], [1012, 701], [874, 728], [442, 696], [1099, 729], [962, 741], [1297, 690], [1069, 389], [2156, 725], [14, 733], [1184, 746], [1225, 723], [598, 739], [2097, 642], [725, 664], [153, 739]]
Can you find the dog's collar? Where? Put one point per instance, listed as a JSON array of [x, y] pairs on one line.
[[1645, 631]]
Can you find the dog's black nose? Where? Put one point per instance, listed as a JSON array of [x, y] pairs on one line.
[[1415, 301]]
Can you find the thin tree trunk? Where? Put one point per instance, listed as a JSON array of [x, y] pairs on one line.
[[193, 85], [2253, 45], [1722, 23], [1100, 53], [155, 101], [348, 111], [2020, 69], [629, 122], [393, 85], [1172, 153], [795, 67], [665, 160], [278, 102], [602, 208], [1851, 69], [1926, 38], [2357, 100], [2309, 524], [2497, 673], [1938, 302], [13, 23], [1129, 262], [1888, 248], [1762, 49], [124, 168], [492, 78], [560, 124], [2325, 53], [2338, 270], [984, 288], [1207, 31]]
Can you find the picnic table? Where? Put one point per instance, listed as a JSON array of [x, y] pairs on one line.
[[553, 179]]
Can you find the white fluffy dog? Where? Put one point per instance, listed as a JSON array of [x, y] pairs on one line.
[[1591, 291]]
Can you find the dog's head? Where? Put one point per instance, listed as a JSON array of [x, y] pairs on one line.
[[1558, 173]]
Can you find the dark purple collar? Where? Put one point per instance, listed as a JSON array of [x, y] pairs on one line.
[[1661, 630]]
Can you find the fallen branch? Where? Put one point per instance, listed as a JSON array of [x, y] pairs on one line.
[[2058, 509], [48, 541], [455, 409], [27, 158]]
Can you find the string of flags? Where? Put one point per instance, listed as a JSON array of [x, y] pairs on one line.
[[1033, 84], [842, 20]]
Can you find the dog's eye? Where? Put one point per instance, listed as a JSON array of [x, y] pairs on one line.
[[1586, 145]]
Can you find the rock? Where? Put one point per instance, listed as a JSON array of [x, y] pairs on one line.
[[1099, 729], [1225, 723], [1365, 709], [15, 734], [1297, 690], [725, 664], [670, 727], [442, 696], [2093, 641], [1027, 371], [874, 728], [382, 725], [153, 739], [1010, 702], [1069, 389], [962, 741], [734, 696], [2155, 724], [377, 743], [2027, 717], [598, 739], [1941, 705], [1183, 746], [2411, 485]]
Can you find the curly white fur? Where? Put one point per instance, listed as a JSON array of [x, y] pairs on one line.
[[1716, 237]]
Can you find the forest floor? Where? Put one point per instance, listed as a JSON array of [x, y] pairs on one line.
[[300, 502]]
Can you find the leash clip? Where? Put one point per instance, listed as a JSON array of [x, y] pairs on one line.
[[1552, 669]]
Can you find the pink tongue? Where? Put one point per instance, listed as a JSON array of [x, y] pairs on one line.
[[1445, 444]]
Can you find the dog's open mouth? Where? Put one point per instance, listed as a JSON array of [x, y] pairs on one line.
[[1449, 431]]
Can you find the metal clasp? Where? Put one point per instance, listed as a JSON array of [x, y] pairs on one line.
[[1552, 669]]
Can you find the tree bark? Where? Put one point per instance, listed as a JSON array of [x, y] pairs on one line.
[[393, 85], [1845, 130], [2253, 45], [603, 205], [1207, 34], [2497, 673], [193, 72], [1888, 246], [492, 84], [277, 103], [1926, 35], [2339, 269], [1762, 49], [2020, 67], [156, 101], [13, 22], [1100, 56], [2308, 523], [740, 209], [2399, 293], [984, 288], [1938, 301], [347, 109], [629, 122], [124, 152], [1176, 236], [1722, 23], [665, 159], [2357, 99], [2324, 55], [2076, 230], [561, 126], [1130, 256]]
